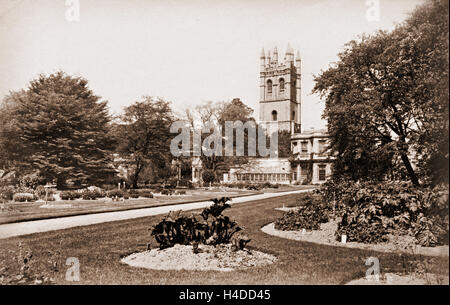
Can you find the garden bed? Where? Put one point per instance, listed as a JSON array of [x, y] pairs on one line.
[[325, 236], [181, 257]]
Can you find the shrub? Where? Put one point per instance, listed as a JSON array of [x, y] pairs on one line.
[[254, 187], [180, 192], [134, 193], [93, 195], [115, 193], [187, 183], [70, 195], [146, 194], [7, 192], [370, 211], [41, 193], [266, 185], [213, 228], [24, 197], [167, 192], [208, 176], [158, 189], [311, 212]]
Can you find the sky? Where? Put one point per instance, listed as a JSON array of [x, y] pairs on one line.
[[185, 51]]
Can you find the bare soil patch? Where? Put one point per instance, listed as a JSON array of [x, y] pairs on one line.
[[182, 257]]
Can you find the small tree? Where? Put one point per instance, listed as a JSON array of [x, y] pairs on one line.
[[143, 136], [208, 176]]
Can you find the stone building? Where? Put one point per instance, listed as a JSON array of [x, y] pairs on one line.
[[280, 91], [280, 109]]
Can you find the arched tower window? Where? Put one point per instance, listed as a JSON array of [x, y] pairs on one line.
[[269, 86], [281, 84], [274, 115]]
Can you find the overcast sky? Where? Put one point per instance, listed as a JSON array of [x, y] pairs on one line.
[[185, 51]]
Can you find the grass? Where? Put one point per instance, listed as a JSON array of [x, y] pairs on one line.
[[17, 212], [100, 247], [32, 211]]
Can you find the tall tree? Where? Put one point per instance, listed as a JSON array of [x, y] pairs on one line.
[[144, 136], [387, 95], [61, 131], [217, 114]]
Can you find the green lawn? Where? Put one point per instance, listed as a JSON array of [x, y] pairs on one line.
[[100, 247]]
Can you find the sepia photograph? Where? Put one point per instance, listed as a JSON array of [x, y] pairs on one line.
[[224, 151]]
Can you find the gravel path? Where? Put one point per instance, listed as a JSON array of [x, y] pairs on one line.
[[36, 226]]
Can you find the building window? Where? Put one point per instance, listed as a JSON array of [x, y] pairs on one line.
[[293, 116], [305, 147], [321, 146], [322, 173], [281, 84], [274, 115], [269, 86]]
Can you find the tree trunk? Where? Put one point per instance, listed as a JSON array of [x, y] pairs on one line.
[[412, 175], [135, 177]]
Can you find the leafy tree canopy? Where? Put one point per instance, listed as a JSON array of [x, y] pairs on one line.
[[387, 99], [58, 129]]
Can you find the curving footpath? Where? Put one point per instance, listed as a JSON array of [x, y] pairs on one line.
[[37, 226]]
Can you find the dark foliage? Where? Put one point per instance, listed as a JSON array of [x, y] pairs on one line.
[[370, 211], [213, 228], [310, 212]]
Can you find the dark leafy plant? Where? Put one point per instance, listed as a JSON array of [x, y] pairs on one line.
[[213, 228], [311, 211], [399, 208]]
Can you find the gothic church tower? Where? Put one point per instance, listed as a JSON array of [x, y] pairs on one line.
[[280, 91]]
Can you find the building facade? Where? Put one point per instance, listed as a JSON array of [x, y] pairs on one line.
[[280, 91], [280, 109]]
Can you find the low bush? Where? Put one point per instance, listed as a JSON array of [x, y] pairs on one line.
[[115, 193], [24, 197], [41, 193], [69, 195], [136, 193], [187, 183], [211, 228], [180, 192], [311, 211], [254, 187], [372, 210], [167, 192], [7, 192], [93, 195], [146, 194], [158, 188], [266, 185]]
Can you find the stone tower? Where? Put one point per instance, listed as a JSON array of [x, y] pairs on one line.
[[280, 88]]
